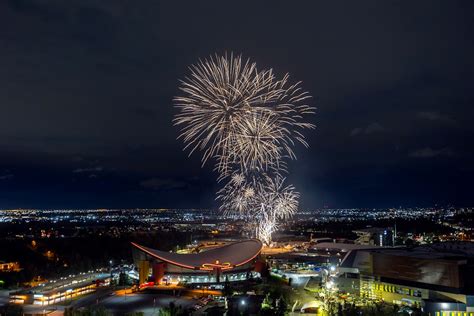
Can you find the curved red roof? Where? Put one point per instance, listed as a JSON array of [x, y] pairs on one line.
[[225, 257]]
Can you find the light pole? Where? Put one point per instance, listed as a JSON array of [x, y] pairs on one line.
[[110, 268]]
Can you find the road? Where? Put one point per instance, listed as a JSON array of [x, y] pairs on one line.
[[92, 299], [4, 297], [149, 304]]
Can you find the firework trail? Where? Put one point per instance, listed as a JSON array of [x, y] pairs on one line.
[[266, 226]]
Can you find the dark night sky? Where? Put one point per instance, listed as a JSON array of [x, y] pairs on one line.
[[86, 89]]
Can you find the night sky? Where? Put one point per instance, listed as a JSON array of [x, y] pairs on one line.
[[86, 90]]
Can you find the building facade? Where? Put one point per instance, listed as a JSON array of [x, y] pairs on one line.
[[235, 261], [440, 280]]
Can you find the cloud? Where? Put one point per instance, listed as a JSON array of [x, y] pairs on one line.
[[86, 170], [373, 128], [163, 184], [6, 176], [434, 116], [369, 129], [356, 131], [428, 152]]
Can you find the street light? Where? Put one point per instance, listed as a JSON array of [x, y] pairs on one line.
[[110, 266]]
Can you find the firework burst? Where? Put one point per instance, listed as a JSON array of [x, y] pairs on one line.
[[238, 196], [248, 120], [266, 226], [281, 199], [250, 197], [238, 114]]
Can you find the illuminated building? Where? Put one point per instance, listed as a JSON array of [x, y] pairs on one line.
[[297, 268], [231, 262], [438, 278], [61, 290], [9, 266], [375, 236]]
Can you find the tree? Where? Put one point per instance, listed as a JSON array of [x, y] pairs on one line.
[[281, 306], [123, 279], [12, 310], [91, 311], [172, 310]]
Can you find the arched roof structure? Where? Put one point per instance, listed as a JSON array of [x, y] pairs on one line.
[[226, 257]]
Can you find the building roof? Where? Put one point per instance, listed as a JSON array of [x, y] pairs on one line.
[[342, 246], [225, 257], [61, 285]]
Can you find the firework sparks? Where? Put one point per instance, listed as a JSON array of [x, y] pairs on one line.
[[248, 121], [237, 197], [260, 142], [267, 225], [249, 198], [239, 115], [280, 199]]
